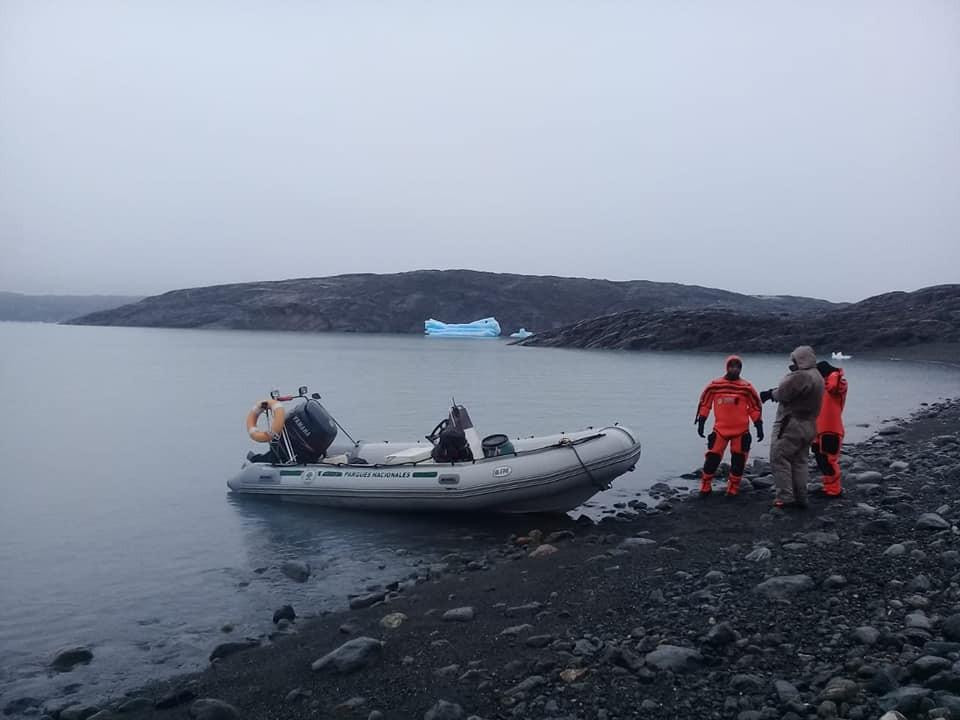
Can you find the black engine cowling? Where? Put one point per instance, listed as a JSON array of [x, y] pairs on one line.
[[311, 431]]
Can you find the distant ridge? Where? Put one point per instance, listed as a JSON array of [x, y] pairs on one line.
[[930, 316], [400, 302], [56, 308]]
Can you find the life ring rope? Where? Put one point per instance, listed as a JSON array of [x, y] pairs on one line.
[[278, 415]]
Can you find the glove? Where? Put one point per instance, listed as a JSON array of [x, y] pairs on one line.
[[758, 426], [700, 421], [766, 395]]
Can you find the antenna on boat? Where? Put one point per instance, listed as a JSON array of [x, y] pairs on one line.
[[316, 396]]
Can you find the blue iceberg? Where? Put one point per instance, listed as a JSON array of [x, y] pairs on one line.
[[488, 327], [521, 334]]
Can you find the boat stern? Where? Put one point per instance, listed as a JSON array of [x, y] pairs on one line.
[[253, 475]]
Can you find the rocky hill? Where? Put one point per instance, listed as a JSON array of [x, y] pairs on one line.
[[401, 302], [899, 319], [56, 308]]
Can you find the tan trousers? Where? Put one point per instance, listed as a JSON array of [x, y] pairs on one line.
[[789, 455]]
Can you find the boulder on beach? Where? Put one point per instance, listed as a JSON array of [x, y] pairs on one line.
[[353, 655], [296, 570]]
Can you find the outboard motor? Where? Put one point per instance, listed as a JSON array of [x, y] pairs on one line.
[[451, 446], [310, 430], [456, 439]]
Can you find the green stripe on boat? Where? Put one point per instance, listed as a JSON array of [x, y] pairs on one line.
[[424, 474], [291, 472], [332, 473]]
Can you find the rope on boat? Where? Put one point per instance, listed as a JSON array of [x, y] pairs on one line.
[[573, 446]]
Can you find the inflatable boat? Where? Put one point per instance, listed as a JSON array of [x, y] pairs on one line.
[[452, 469]]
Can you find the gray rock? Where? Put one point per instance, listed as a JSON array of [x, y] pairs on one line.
[[940, 648], [714, 576], [460, 614], [834, 582], [66, 659], [527, 609], [920, 583], [585, 648], [674, 658], [285, 612], [907, 700], [558, 536], [135, 704], [866, 635], [359, 602], [895, 550], [297, 694], [889, 429], [928, 666], [871, 476], [721, 634], [948, 680], [840, 689], [950, 558], [821, 538], [20, 705], [947, 701], [443, 710], [102, 715], [784, 586], [447, 671], [229, 648], [351, 656], [78, 712], [758, 554], [377, 715], [879, 526], [349, 707], [932, 521], [748, 684], [918, 620], [532, 682], [637, 543], [296, 570], [786, 691], [899, 466], [515, 630], [212, 709], [175, 697], [539, 641], [951, 628]]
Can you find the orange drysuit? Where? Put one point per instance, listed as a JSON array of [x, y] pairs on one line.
[[735, 404], [826, 447]]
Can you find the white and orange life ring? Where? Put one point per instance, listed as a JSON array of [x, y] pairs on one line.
[[276, 423]]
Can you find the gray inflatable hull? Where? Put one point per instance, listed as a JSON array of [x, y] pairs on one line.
[[548, 474]]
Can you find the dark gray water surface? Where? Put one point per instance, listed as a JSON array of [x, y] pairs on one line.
[[115, 527]]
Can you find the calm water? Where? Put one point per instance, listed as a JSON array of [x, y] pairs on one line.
[[115, 527]]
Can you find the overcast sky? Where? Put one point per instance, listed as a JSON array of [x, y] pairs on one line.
[[766, 147]]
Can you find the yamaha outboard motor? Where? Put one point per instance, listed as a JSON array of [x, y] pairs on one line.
[[310, 429]]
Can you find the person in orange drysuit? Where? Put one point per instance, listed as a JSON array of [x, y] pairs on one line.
[[826, 447], [735, 403]]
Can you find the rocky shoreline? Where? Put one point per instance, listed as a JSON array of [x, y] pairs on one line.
[[920, 323], [691, 609]]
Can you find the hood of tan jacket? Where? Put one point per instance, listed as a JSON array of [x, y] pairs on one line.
[[804, 357]]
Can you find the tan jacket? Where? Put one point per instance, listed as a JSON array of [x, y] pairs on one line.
[[800, 393]]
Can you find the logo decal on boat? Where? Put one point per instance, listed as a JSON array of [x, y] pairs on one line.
[[502, 471], [308, 477]]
